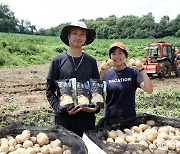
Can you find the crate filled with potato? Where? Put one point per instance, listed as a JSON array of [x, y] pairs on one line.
[[143, 134], [16, 139]]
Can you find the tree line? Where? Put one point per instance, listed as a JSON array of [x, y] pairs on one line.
[[112, 27]]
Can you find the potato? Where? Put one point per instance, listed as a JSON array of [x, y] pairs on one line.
[[8, 137], [30, 150], [136, 129], [27, 144], [45, 149], [18, 146], [56, 143], [171, 129], [150, 122], [142, 137], [119, 132], [177, 132], [130, 138], [58, 150], [119, 140], [164, 129], [101, 73], [132, 62], [163, 135], [12, 142], [20, 150], [67, 152], [128, 131], [4, 148], [104, 66], [112, 134], [138, 63], [4, 141], [42, 139], [151, 134], [152, 146], [144, 143], [36, 145], [11, 148], [25, 135], [143, 126], [110, 63], [159, 141], [26, 132], [65, 147], [175, 138], [33, 139], [135, 135], [18, 138], [37, 149], [109, 140]]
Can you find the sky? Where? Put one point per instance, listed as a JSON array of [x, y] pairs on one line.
[[51, 13]]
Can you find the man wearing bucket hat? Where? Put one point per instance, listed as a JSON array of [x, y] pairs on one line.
[[73, 63], [122, 82]]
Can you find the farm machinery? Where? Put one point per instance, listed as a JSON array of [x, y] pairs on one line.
[[162, 59]]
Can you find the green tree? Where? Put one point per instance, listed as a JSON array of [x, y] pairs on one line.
[[175, 24], [8, 22], [177, 33], [163, 28], [147, 26]]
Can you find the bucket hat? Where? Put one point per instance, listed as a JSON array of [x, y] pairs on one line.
[[91, 33], [119, 45]]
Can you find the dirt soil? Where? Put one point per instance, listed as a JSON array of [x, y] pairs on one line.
[[26, 86]]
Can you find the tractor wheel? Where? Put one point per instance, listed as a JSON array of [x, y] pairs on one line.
[[165, 70], [178, 71]]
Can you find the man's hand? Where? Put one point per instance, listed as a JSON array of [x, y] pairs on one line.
[[90, 109], [73, 110]]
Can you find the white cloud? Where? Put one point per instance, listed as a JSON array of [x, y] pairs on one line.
[[48, 13]]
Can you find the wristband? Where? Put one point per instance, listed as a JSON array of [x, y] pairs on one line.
[[141, 69]]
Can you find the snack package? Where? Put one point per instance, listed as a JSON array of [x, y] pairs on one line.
[[65, 92], [82, 93], [98, 92]]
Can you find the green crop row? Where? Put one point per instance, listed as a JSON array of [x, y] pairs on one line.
[[162, 103]]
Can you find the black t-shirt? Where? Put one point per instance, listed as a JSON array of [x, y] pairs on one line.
[[62, 67]]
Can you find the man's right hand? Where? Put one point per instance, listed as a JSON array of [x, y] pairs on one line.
[[73, 110]]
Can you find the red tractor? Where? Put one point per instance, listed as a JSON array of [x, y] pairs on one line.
[[162, 59]]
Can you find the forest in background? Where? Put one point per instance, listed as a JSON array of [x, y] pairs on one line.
[[112, 27]]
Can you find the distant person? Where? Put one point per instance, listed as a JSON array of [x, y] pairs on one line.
[[122, 82], [73, 63], [173, 58]]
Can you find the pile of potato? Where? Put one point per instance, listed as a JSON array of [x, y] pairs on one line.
[[166, 138], [107, 64], [24, 143], [135, 62], [104, 66]]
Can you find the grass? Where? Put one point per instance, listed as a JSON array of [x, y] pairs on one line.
[[17, 50]]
